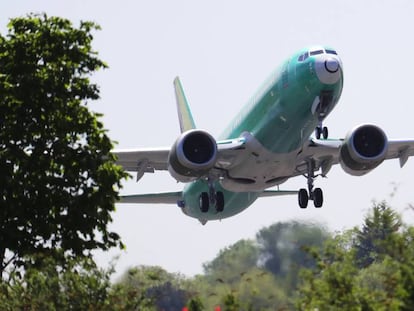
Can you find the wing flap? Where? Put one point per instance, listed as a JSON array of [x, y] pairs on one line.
[[325, 153], [230, 152], [400, 149], [143, 160]]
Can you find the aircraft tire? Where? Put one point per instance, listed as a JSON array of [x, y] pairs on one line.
[[325, 132], [204, 202], [318, 197], [318, 132], [303, 198], [219, 201]]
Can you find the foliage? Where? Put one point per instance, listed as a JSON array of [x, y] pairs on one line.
[[231, 303], [195, 304], [378, 233], [155, 286], [47, 287], [232, 262], [261, 273], [58, 179], [364, 269], [334, 282], [282, 249]]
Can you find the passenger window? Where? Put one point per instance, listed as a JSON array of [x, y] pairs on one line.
[[331, 52]]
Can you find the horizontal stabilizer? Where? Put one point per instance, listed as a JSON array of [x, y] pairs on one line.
[[151, 198], [275, 193]]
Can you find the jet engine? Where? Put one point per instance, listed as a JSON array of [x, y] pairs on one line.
[[364, 148], [193, 154]]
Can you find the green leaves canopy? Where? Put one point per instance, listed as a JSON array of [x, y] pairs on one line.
[[371, 268], [58, 179]]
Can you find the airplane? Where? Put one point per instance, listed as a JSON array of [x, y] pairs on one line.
[[268, 142]]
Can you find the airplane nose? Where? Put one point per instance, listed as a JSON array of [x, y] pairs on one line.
[[332, 65], [328, 69]]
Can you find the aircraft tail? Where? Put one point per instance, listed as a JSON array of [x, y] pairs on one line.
[[184, 113]]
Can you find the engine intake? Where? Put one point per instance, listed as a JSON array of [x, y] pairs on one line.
[[364, 148], [193, 154]]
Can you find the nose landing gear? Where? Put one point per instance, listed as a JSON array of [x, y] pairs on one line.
[[321, 131], [322, 110]]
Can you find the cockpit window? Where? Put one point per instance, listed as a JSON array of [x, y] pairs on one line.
[[317, 52], [303, 57], [331, 52]]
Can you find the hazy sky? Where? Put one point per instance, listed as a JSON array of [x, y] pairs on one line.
[[223, 51]]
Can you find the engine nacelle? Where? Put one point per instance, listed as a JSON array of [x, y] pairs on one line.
[[193, 154], [364, 148]]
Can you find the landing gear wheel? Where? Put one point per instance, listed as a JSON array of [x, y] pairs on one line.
[[318, 197], [318, 132], [316, 194], [325, 132], [303, 198], [219, 201], [204, 202]]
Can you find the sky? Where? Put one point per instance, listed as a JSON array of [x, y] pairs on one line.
[[223, 50]]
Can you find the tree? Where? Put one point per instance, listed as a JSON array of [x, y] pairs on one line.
[[332, 281], [376, 237], [48, 287], [260, 290], [232, 262], [58, 179], [195, 304], [155, 286], [282, 248], [371, 268], [231, 303]]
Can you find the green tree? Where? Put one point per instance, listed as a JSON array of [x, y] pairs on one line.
[[232, 262], [331, 284], [195, 304], [282, 248], [231, 303], [58, 179], [260, 290], [155, 286], [384, 280], [82, 286], [378, 234], [381, 286]]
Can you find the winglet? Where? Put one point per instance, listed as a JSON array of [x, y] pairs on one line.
[[184, 113]]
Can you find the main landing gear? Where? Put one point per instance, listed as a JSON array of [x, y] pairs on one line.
[[316, 195], [212, 198]]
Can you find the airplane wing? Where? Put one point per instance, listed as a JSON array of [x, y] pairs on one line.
[[400, 149], [143, 160], [147, 160], [326, 153]]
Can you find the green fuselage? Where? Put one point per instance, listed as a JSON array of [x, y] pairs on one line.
[[281, 116]]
